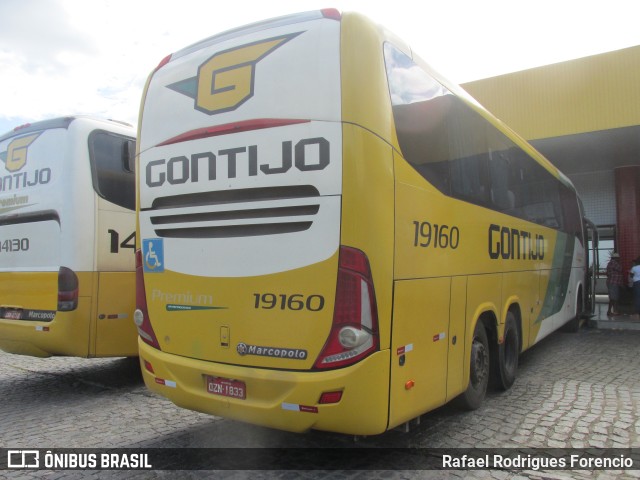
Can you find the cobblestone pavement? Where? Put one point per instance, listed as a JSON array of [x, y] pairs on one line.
[[572, 391]]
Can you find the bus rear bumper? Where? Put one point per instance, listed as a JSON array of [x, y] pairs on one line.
[[67, 334], [21, 347], [285, 400]]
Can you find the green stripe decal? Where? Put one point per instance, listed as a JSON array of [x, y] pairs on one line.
[[559, 276], [172, 307]]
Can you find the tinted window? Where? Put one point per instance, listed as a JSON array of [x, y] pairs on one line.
[[112, 167], [463, 155]]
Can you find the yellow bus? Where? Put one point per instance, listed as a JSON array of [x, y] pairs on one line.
[[67, 226], [333, 237]]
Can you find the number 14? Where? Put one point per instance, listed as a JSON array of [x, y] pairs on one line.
[[129, 242]]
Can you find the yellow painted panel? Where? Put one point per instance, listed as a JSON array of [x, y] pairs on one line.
[[36, 290], [66, 334], [456, 381], [188, 313], [116, 332], [588, 94], [420, 347], [368, 212], [522, 289]]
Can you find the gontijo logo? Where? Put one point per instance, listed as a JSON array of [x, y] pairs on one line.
[[226, 80], [16, 155]]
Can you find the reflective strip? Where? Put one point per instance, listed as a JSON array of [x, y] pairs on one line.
[[404, 349], [294, 407]]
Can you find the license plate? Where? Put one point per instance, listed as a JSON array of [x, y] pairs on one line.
[[226, 387], [13, 314]]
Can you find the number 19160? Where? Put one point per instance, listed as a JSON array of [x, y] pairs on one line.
[[269, 301], [435, 236]]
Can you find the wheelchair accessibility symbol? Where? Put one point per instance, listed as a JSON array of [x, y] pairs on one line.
[[153, 255]]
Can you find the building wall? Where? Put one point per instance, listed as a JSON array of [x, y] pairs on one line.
[[600, 92], [598, 196]]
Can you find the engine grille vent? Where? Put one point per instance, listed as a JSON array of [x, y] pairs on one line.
[[235, 213]]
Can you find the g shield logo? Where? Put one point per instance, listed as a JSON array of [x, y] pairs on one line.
[[227, 79], [16, 155]]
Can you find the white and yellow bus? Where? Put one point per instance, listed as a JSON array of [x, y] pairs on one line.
[[334, 237], [67, 226]]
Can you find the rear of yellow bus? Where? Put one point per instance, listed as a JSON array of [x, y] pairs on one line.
[[265, 226], [63, 290], [39, 293]]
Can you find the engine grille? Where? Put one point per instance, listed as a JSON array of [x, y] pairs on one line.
[[235, 213]]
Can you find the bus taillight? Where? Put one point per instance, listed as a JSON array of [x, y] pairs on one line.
[[141, 315], [331, 13], [67, 290], [354, 333], [163, 62]]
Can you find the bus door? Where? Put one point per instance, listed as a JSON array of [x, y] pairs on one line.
[[114, 181], [115, 331], [591, 241]]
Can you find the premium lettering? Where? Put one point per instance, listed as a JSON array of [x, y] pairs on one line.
[[181, 297]]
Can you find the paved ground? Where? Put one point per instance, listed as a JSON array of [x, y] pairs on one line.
[[573, 391]]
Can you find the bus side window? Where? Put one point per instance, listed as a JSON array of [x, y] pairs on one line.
[[129, 156], [112, 160], [464, 156]]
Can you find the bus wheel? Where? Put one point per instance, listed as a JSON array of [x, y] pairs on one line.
[[508, 352], [479, 372]]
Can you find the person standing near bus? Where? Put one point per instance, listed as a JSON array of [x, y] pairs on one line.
[[634, 276], [615, 281]]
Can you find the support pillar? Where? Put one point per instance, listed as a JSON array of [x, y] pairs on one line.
[[628, 214]]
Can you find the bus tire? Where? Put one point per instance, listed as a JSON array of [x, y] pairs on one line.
[[479, 371], [508, 353]]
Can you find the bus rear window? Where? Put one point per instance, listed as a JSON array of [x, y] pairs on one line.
[[112, 167]]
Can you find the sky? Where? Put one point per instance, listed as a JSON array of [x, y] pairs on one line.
[[64, 57]]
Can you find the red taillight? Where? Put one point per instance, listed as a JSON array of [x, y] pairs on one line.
[[331, 13], [141, 315], [163, 62], [354, 334], [148, 367], [328, 398], [21, 127], [67, 290]]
